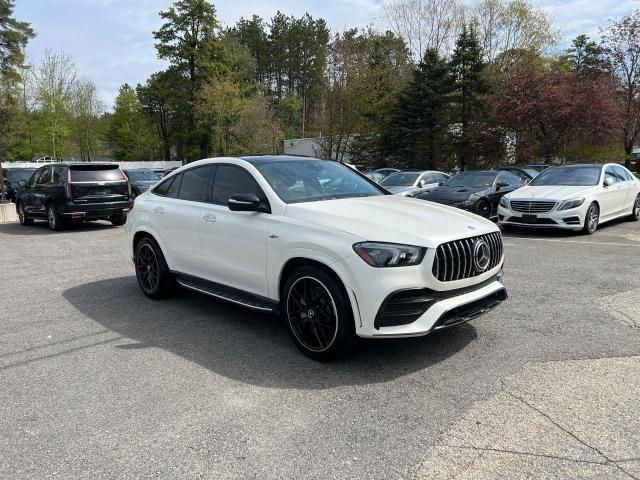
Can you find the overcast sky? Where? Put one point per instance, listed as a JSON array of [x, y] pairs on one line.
[[111, 40]]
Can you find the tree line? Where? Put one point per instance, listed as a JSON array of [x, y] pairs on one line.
[[446, 84]]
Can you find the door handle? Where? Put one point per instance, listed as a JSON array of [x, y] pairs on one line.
[[158, 210], [209, 217]]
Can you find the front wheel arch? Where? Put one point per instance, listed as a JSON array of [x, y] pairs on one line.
[[294, 263]]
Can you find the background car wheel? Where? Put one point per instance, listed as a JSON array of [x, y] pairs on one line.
[[591, 219], [22, 216], [318, 314], [635, 213], [55, 222], [152, 272], [483, 208], [118, 220]]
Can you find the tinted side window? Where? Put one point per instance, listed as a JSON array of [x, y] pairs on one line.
[[58, 175], [174, 188], [441, 177], [510, 179], [163, 188], [194, 184], [44, 176], [231, 180]]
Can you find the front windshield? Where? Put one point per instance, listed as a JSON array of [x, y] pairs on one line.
[[570, 175], [400, 180], [310, 180], [142, 175], [17, 174], [472, 179]]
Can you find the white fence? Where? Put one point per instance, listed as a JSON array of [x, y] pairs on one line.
[[159, 165]]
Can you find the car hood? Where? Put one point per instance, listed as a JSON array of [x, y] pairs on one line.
[[392, 219], [446, 194], [551, 192]]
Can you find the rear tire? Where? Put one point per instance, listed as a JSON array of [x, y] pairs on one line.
[[318, 314], [153, 275], [118, 220], [55, 222], [591, 219], [635, 211], [22, 216]]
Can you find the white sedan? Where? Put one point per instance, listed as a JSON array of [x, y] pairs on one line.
[[573, 197], [334, 253]]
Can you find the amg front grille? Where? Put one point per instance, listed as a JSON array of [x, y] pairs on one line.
[[461, 259], [532, 206]]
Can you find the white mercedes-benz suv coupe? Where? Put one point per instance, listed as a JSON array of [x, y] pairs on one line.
[[334, 254], [574, 197]]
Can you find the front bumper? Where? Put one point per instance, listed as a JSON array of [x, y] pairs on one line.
[[370, 288], [572, 219]]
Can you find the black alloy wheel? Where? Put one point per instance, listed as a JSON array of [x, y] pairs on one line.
[[152, 273], [591, 219], [635, 212], [483, 208], [22, 216], [318, 314]]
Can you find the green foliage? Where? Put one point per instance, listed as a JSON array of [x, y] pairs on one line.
[[416, 135], [131, 135], [14, 36]]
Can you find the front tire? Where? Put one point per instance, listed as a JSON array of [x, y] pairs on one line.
[[152, 272], [318, 314], [635, 212], [55, 222], [118, 220], [591, 219], [22, 216], [483, 208]]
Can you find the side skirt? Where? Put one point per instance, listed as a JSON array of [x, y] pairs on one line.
[[223, 292]]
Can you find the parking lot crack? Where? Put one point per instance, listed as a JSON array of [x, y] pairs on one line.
[[608, 461]]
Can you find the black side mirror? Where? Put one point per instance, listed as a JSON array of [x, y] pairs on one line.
[[246, 202], [500, 185], [22, 183], [440, 184]]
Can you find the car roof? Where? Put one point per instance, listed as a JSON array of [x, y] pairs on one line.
[[261, 159]]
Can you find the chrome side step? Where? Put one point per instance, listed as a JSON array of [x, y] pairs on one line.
[[229, 294]]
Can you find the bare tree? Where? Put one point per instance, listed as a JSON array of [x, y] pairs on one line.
[[54, 81], [621, 47], [425, 24], [507, 25], [86, 108]]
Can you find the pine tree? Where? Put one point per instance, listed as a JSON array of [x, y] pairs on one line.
[[417, 131], [470, 89]]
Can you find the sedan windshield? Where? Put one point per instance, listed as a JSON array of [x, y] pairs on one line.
[[310, 180], [142, 175], [400, 180], [472, 179], [570, 175]]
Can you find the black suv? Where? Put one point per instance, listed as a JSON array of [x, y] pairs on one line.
[[66, 192]]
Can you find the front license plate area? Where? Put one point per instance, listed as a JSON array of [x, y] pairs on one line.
[[530, 218]]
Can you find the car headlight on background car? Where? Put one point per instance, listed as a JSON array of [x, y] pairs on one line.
[[568, 204], [504, 202], [378, 254]]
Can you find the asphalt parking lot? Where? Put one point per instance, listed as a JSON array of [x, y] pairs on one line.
[[96, 381]]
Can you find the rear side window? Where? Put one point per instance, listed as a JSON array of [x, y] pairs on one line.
[[96, 174], [163, 188], [58, 174], [195, 183], [230, 181]]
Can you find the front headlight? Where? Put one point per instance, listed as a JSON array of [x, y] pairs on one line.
[[504, 202], [568, 204], [379, 254]]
